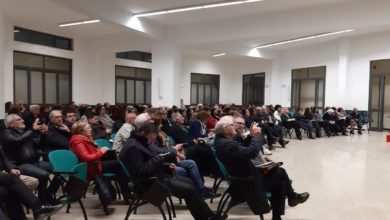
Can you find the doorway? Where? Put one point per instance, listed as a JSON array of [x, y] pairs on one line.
[[379, 101]]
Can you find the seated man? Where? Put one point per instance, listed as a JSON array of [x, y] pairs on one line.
[[237, 159], [330, 125], [70, 117], [290, 123], [124, 132], [304, 123], [13, 193], [354, 118], [144, 159], [98, 129], [58, 134], [18, 146]]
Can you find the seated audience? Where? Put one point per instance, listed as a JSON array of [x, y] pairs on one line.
[[290, 123], [330, 119], [59, 133], [354, 118], [304, 123], [99, 131], [18, 146], [237, 159], [341, 121], [124, 132], [198, 125], [144, 159], [87, 151], [70, 117], [103, 117]]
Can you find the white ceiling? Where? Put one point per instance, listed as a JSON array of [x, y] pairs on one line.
[[232, 29]]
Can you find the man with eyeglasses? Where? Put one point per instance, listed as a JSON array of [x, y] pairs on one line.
[[59, 133], [20, 148], [237, 157]]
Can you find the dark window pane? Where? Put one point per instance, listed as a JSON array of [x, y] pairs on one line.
[[28, 60], [144, 74], [21, 86], [42, 39], [50, 86], [120, 91], [63, 43], [21, 34], [63, 82]]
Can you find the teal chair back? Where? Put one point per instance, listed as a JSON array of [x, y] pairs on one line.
[[63, 160], [81, 171], [221, 167], [103, 143], [113, 136]]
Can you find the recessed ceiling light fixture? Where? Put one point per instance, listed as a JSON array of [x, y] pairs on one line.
[[302, 39], [195, 7], [79, 22], [219, 54]]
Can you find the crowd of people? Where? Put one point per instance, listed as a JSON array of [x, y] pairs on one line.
[[171, 144]]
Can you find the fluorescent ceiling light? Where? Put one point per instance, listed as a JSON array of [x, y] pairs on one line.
[[302, 39], [219, 54], [195, 7], [79, 23]]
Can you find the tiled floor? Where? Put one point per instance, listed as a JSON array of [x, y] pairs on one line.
[[347, 177]]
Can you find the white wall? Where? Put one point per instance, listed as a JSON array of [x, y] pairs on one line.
[[230, 70], [93, 70], [347, 72]]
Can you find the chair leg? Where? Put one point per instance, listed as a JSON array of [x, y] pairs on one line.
[[162, 213], [136, 206], [221, 201], [83, 209], [168, 209], [172, 206], [117, 188], [215, 189], [129, 210], [261, 217], [68, 206]]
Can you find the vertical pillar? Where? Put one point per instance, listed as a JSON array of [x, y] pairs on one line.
[[343, 69], [166, 68]]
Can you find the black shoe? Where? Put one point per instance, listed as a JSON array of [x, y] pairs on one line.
[[209, 194], [282, 143], [299, 138], [359, 132], [46, 211], [345, 134], [297, 198], [276, 218]]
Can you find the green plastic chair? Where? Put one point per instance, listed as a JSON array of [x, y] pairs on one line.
[[103, 143], [113, 136], [63, 162]]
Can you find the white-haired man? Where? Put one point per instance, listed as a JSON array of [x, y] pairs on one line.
[[124, 132], [237, 158]]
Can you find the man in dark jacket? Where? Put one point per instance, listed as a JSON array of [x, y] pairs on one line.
[[18, 146], [59, 133], [13, 192], [237, 160], [143, 159]]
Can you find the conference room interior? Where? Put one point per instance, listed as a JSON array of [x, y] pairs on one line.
[[231, 54]]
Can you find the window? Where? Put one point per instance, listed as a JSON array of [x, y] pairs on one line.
[[204, 89], [133, 85], [35, 37], [40, 79], [135, 55], [253, 89], [308, 87]]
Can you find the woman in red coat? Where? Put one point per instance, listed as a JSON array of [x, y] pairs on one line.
[[81, 143]]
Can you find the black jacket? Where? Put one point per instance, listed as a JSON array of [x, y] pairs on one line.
[[142, 160], [19, 147], [237, 160], [5, 163], [57, 139], [179, 135]]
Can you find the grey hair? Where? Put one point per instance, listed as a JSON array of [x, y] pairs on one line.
[[222, 123], [51, 113], [8, 119], [142, 119], [34, 107]]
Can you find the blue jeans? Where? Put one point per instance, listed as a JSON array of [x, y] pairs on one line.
[[188, 168]]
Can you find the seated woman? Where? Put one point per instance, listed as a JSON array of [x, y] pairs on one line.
[[198, 127], [99, 131], [330, 119], [103, 117], [341, 121], [289, 122], [309, 115], [354, 121], [81, 143], [303, 122]]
